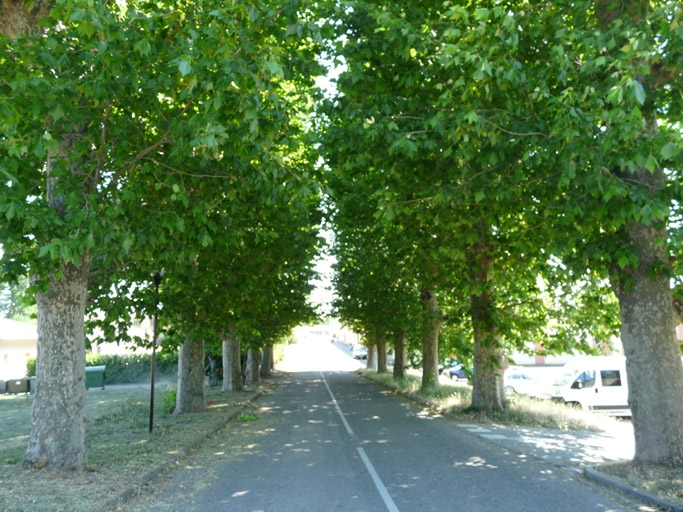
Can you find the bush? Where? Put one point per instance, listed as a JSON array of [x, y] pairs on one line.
[[168, 403], [31, 367], [127, 369]]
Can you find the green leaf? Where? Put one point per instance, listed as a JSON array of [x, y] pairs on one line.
[[10, 176], [472, 117], [624, 260], [143, 47], [615, 95], [481, 14], [10, 211], [638, 91], [184, 67], [87, 28], [57, 114], [44, 250], [669, 150]]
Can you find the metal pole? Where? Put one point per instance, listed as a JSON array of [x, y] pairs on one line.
[[157, 280]]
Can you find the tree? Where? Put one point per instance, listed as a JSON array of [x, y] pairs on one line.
[[110, 116], [454, 185], [596, 83], [376, 293], [635, 125]]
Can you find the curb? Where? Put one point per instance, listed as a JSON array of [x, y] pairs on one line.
[[115, 503], [643, 496]]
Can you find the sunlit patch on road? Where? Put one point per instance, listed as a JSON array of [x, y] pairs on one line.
[[475, 462]]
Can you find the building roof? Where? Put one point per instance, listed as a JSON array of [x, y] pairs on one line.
[[11, 330]]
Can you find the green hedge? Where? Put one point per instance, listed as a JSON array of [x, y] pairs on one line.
[[127, 369]]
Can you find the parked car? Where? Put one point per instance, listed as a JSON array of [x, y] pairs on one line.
[[359, 352], [456, 372], [516, 381]]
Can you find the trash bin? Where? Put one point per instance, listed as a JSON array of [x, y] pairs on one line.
[[94, 377], [17, 386]]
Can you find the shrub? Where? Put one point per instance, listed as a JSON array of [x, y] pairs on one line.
[[134, 367], [169, 401], [127, 369], [31, 367]]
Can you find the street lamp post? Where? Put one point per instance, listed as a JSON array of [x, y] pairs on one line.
[[157, 276]]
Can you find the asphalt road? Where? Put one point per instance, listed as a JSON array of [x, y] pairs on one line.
[[327, 440]]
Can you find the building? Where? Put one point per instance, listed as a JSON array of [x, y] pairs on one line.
[[18, 343]]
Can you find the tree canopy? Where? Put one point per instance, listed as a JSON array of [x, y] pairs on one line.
[[509, 171]]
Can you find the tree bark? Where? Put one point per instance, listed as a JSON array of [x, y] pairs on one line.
[[488, 390], [232, 362], [191, 395], [253, 372], [400, 353], [653, 357], [381, 344], [58, 416], [371, 361], [432, 320], [16, 20], [268, 364]]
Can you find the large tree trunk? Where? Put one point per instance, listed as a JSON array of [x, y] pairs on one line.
[[232, 362], [381, 343], [488, 390], [653, 357], [58, 417], [253, 372], [400, 353], [191, 395], [371, 362], [432, 320], [268, 364]]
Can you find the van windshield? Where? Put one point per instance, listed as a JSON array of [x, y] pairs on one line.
[[570, 376], [567, 377]]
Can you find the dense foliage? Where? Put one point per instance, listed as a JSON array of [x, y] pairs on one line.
[[128, 368]]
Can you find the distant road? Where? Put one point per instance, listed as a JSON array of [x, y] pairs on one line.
[[327, 440]]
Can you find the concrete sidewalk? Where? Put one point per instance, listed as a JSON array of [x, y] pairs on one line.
[[560, 447], [579, 451]]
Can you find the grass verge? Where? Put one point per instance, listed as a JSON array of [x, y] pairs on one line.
[[122, 452]]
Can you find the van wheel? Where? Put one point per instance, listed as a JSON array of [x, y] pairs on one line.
[[509, 389]]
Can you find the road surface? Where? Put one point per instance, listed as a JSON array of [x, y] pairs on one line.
[[327, 440]]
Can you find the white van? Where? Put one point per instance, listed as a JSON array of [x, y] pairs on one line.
[[596, 383]]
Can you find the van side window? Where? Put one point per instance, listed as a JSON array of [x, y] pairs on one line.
[[585, 380], [610, 377]]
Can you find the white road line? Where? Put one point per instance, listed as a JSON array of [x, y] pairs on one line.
[[339, 411], [391, 506]]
